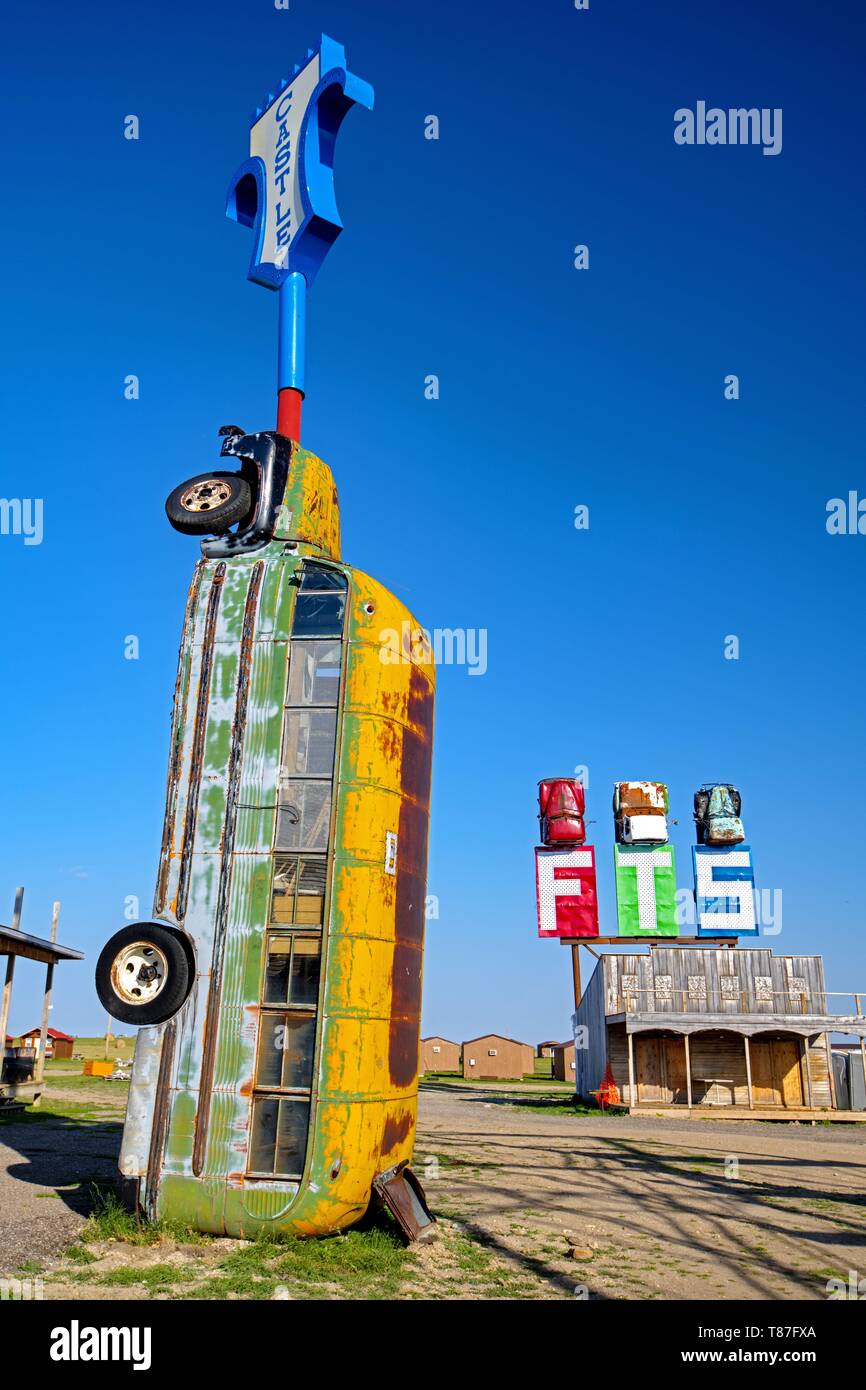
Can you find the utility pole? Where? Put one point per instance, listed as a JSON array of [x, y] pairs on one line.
[[575, 970]]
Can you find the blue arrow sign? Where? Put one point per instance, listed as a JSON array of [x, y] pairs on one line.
[[285, 190]]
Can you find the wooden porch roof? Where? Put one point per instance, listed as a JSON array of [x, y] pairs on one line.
[[747, 1025], [18, 943]]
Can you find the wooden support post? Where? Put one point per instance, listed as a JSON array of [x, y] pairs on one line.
[[10, 972], [575, 970], [805, 1044], [46, 1002], [632, 1093], [688, 1070], [834, 1103], [7, 996], [863, 1055], [749, 1071]]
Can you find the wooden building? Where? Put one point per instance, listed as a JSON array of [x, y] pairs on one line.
[[564, 1065], [57, 1044], [545, 1049], [732, 1029], [439, 1054], [495, 1058]]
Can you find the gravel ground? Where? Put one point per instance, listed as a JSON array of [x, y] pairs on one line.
[[46, 1168], [646, 1208]]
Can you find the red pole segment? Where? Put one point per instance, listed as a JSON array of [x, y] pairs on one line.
[[289, 403]]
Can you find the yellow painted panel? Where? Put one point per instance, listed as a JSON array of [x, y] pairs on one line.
[[355, 1058], [351, 1138], [311, 509], [366, 815], [372, 751], [359, 976], [364, 899], [380, 619], [373, 685]]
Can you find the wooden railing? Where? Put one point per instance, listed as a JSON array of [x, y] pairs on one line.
[[680, 1001]]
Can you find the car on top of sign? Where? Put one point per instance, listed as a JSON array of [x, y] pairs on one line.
[[564, 864], [646, 886], [722, 862]]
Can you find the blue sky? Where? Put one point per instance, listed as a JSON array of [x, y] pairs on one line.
[[558, 388]]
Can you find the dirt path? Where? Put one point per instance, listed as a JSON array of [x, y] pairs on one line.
[[47, 1170], [653, 1208]]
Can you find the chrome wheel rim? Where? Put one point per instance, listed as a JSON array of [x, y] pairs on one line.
[[139, 972], [206, 495]]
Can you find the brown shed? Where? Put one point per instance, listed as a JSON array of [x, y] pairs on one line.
[[439, 1054], [545, 1049], [493, 1057], [564, 1065]]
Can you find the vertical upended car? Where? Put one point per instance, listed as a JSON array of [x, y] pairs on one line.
[[277, 988]]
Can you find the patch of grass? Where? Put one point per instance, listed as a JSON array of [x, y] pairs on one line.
[[77, 1255], [363, 1264], [121, 1045], [444, 1160], [152, 1277], [74, 1081], [556, 1105], [183, 1234], [482, 1083], [78, 1113], [458, 1162], [472, 1257], [357, 1261], [110, 1220]]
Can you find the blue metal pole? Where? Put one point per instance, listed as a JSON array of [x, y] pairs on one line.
[[293, 332], [292, 354]]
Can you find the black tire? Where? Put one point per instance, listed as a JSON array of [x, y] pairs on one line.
[[209, 504], [127, 959]]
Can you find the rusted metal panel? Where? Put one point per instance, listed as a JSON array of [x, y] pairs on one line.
[[162, 1101], [199, 734], [401, 1192], [310, 514], [141, 1103], [177, 744], [212, 1018]]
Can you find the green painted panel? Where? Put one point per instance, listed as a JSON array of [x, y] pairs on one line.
[[646, 890]]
